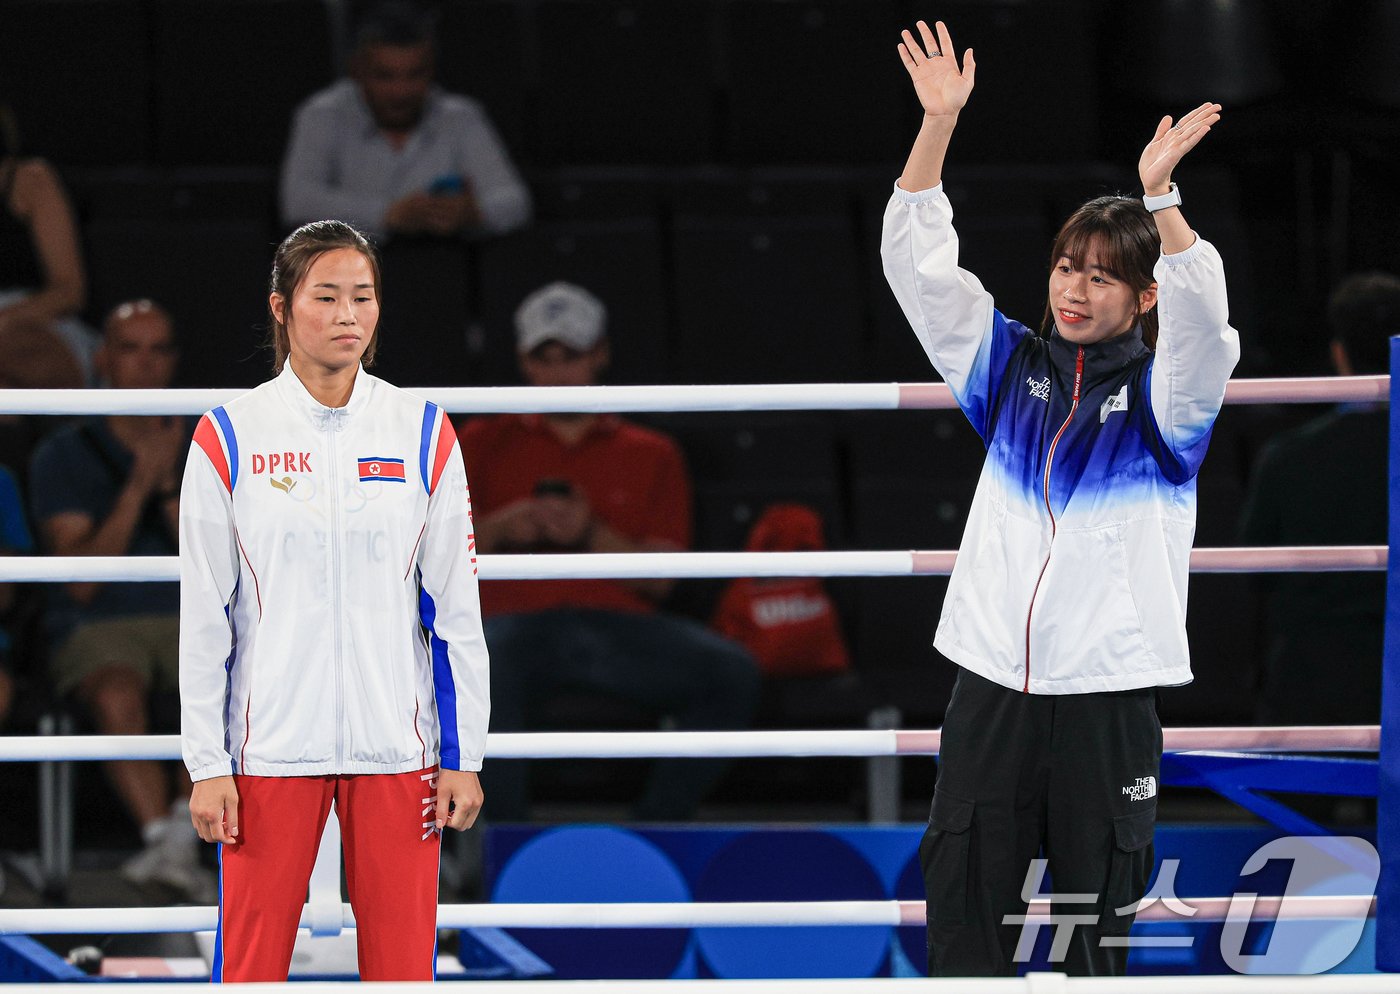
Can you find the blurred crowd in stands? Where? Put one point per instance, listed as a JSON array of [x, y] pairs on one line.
[[667, 264]]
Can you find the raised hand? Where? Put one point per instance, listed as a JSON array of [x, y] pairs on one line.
[[1170, 143], [942, 88]]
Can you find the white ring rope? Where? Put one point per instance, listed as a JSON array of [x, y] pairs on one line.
[[692, 565], [621, 399], [726, 914], [696, 745]]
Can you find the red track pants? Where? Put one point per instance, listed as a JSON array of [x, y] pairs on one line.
[[391, 870]]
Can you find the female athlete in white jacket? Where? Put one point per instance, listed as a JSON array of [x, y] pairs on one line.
[[1067, 608], [330, 633]]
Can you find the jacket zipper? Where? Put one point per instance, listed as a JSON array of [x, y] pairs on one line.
[[1045, 493], [334, 426]]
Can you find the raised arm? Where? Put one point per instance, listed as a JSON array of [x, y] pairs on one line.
[[964, 336], [1196, 347], [943, 90], [1159, 158], [43, 205]]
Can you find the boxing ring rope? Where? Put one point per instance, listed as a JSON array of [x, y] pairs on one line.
[[729, 745], [692, 565], [893, 396], [698, 914], [720, 397]]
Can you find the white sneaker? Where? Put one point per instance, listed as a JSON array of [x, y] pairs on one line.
[[171, 859]]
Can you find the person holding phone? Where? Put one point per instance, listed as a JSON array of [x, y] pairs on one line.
[[592, 483], [1066, 610], [389, 151]]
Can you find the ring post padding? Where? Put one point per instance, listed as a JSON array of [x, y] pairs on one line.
[[1388, 791]]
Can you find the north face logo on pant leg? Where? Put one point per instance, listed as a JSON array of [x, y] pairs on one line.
[[1141, 789]]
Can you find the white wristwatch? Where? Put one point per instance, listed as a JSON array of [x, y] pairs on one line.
[[1172, 198]]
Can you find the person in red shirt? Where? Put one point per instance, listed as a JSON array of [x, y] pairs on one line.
[[592, 483]]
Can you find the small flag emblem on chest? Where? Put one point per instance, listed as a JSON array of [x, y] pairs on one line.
[[385, 470]]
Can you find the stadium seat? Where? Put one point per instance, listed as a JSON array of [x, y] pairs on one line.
[[237, 192], [483, 53], [726, 191], [795, 69], [726, 511], [229, 73], [1185, 48], [1011, 39], [892, 641], [767, 300], [598, 193], [911, 477], [75, 73], [623, 81], [1225, 651], [428, 335], [210, 274], [740, 463]]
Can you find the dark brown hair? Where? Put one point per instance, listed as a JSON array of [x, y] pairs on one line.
[[1123, 235], [294, 259], [1363, 312]]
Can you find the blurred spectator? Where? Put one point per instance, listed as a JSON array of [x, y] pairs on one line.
[[1325, 483], [789, 624], [14, 540], [393, 154], [592, 483], [110, 487], [42, 282]]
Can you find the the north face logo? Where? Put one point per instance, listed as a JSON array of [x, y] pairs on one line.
[[1141, 789], [1040, 389]]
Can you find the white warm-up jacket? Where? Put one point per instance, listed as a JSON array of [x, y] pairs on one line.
[[1071, 577], [329, 619]]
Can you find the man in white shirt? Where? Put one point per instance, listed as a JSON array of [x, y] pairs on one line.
[[393, 154]]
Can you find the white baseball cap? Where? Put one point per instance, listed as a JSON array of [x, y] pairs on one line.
[[560, 312]]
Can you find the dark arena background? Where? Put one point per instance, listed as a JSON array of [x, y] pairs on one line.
[[715, 172]]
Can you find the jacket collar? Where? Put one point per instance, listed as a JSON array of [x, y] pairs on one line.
[[323, 418], [1101, 358]]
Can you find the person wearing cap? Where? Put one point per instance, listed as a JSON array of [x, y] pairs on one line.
[[592, 483]]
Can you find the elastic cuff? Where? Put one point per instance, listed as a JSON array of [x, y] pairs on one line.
[[224, 769], [1187, 255], [918, 197]]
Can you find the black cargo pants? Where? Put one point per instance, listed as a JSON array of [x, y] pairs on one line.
[[1072, 779]]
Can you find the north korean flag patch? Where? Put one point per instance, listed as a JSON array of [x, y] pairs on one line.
[[383, 470]]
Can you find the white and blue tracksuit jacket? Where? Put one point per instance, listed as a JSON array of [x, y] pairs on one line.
[[329, 620], [1071, 576]]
